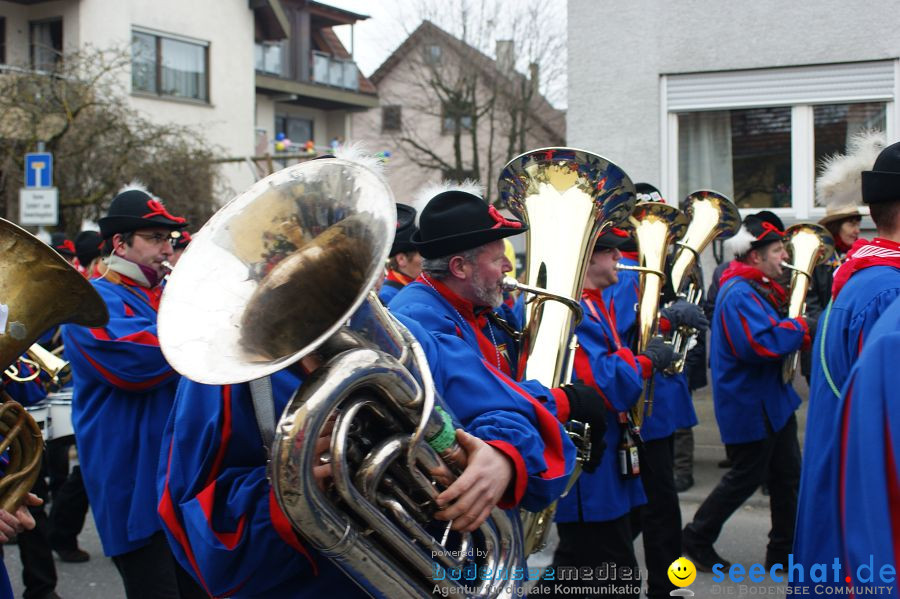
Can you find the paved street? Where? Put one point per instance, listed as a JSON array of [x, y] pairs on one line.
[[743, 539]]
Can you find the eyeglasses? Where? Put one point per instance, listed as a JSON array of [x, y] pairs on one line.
[[157, 238]]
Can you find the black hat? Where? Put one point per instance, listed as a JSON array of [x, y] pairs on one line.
[[882, 183], [456, 221], [182, 239], [647, 193], [87, 246], [62, 244], [136, 209], [765, 226], [613, 238], [406, 226]]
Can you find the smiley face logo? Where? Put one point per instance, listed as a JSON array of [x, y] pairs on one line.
[[682, 572]]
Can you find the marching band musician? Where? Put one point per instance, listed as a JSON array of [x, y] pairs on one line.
[[179, 244], [659, 520], [88, 246], [864, 286], [123, 392], [461, 239], [754, 407], [594, 520], [405, 262]]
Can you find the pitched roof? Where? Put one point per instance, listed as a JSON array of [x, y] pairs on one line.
[[551, 119]]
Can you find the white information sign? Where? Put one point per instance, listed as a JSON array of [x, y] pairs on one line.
[[39, 206]]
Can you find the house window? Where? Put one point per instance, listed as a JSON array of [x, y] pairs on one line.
[[391, 118], [298, 130], [760, 135], [455, 118], [166, 66], [46, 43], [745, 154], [432, 54], [269, 57]]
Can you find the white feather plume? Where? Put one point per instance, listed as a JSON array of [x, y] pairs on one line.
[[739, 244], [135, 184], [357, 153], [839, 184], [424, 194]]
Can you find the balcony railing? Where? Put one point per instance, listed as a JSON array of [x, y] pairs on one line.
[[334, 71]]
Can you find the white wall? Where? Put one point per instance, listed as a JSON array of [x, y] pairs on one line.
[[618, 51]]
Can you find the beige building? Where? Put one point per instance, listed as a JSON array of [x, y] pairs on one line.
[[237, 71], [437, 119]]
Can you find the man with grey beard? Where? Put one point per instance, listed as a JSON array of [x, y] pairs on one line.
[[458, 298]]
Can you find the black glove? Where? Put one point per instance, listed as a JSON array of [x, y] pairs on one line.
[[659, 353], [682, 312], [586, 405]]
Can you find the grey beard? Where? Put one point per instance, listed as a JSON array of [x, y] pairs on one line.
[[488, 295]]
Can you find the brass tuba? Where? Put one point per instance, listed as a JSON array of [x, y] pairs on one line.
[[808, 245], [712, 216], [567, 197], [286, 271], [38, 290], [656, 227]]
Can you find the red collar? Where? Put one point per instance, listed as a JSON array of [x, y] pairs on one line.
[[863, 254], [398, 277], [751, 273]]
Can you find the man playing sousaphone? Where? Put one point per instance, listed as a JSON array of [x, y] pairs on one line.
[[220, 510]]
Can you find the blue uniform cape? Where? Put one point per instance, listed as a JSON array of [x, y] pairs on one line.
[[218, 507], [602, 362], [748, 342], [843, 329], [122, 394], [672, 405]]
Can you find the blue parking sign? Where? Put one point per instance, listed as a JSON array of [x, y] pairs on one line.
[[38, 170]]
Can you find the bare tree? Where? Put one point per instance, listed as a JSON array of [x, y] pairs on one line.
[[79, 113]]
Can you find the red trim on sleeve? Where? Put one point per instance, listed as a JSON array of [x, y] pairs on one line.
[[563, 410], [122, 383], [520, 474], [547, 425], [142, 338], [627, 355], [646, 366], [759, 349], [286, 531], [207, 500], [100, 334], [128, 310], [166, 511], [787, 324], [665, 325], [583, 372]]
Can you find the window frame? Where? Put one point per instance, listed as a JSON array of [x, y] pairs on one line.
[[398, 116], [158, 94], [2, 40], [803, 167], [31, 44]]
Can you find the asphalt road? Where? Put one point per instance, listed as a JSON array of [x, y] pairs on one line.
[[743, 539]]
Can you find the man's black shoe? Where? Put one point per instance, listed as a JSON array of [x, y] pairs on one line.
[[703, 557], [73, 556], [683, 483]]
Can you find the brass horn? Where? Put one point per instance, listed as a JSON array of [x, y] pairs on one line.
[[656, 227], [567, 197], [808, 245], [284, 271], [712, 216], [38, 290]]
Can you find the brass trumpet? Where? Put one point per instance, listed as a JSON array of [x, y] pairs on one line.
[[808, 245]]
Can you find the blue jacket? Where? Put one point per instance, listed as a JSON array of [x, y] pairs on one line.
[[672, 405], [748, 343], [843, 330], [604, 363], [122, 394], [218, 507]]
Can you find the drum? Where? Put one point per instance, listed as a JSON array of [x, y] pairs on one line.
[[41, 414], [60, 414]]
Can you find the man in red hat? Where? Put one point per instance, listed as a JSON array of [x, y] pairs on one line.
[[864, 286], [123, 392], [750, 337]]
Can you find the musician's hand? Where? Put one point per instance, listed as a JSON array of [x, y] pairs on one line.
[[659, 353], [469, 500], [13, 524], [682, 312], [322, 469], [587, 405]]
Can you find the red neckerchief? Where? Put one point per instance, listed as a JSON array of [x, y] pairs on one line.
[[594, 300], [840, 247], [477, 319], [149, 296], [769, 289], [398, 277], [863, 254]]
